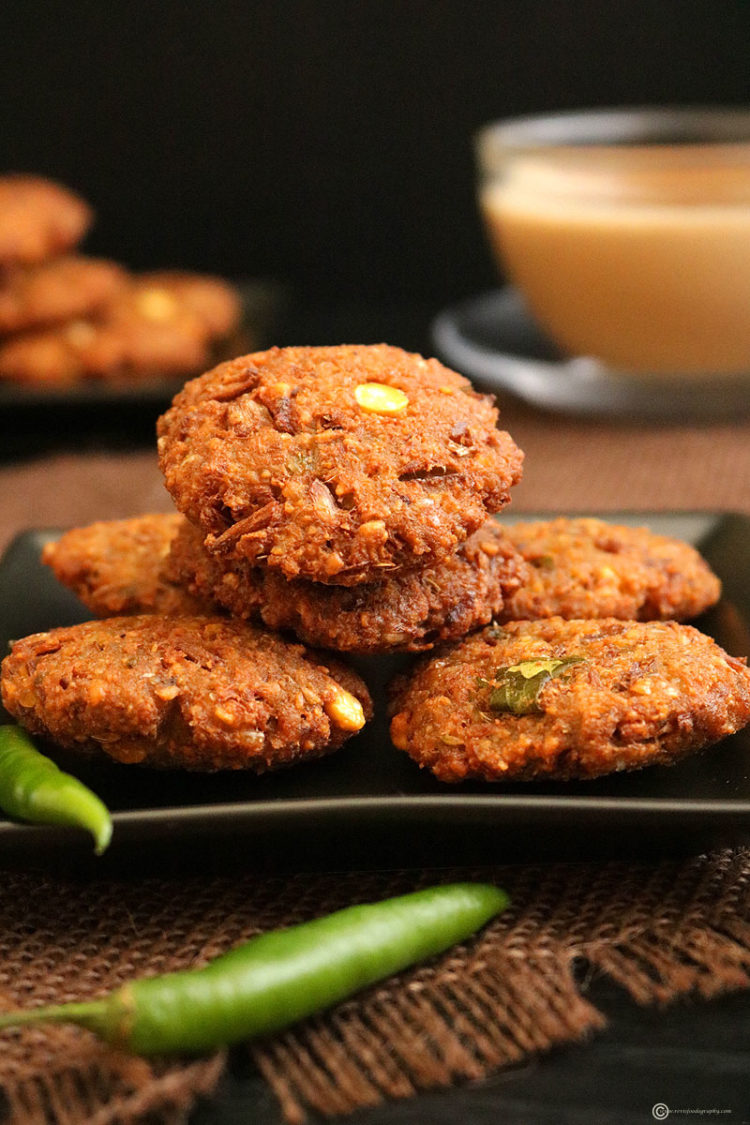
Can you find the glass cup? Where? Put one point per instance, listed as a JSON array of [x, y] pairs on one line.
[[627, 232]]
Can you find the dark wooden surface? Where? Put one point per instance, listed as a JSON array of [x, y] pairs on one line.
[[692, 1056]]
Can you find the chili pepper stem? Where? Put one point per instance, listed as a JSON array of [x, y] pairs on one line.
[[95, 1015]]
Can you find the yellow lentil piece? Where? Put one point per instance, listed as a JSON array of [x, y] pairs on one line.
[[345, 710], [378, 398]]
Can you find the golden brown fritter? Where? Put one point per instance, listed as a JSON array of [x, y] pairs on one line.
[[568, 699], [194, 693], [213, 299], [335, 464], [38, 219], [585, 567], [58, 290], [157, 563], [157, 325], [409, 611], [134, 338], [117, 566]]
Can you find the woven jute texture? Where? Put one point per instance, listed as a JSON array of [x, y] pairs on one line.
[[661, 931]]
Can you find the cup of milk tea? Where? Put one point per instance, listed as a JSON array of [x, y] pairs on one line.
[[627, 232]]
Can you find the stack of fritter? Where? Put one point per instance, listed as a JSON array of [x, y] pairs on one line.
[[342, 495], [341, 492], [66, 318]]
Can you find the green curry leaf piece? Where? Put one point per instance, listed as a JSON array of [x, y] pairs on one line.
[[495, 631], [517, 688]]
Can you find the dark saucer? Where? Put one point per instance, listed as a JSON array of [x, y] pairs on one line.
[[493, 340]]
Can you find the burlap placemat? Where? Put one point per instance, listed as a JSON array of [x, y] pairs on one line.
[[661, 931]]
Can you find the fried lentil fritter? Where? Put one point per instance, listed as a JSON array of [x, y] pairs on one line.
[[409, 611], [587, 567], [194, 693], [117, 566], [568, 699], [57, 290], [213, 299], [38, 219], [336, 464], [134, 338], [157, 563], [164, 324]]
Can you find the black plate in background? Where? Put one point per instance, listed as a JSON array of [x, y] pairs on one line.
[[494, 340], [369, 804]]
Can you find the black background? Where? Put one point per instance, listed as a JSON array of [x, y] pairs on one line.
[[325, 144]]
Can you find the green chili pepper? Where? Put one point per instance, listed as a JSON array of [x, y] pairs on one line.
[[516, 689], [33, 788], [282, 976]]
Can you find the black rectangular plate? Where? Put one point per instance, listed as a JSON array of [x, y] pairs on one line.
[[369, 804]]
